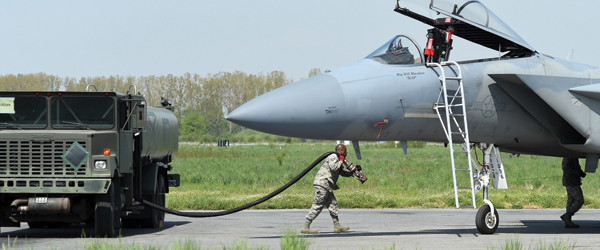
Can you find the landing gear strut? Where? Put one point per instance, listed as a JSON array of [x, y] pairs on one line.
[[487, 219]]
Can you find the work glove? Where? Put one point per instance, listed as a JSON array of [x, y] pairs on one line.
[[358, 168]]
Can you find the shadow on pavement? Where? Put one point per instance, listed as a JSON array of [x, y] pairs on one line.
[[81, 231], [528, 227]]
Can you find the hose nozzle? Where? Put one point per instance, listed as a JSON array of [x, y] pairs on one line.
[[356, 171]]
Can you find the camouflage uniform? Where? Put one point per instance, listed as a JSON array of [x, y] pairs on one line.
[[325, 183], [572, 181]]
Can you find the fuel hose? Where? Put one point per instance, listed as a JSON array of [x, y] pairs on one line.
[[240, 208]]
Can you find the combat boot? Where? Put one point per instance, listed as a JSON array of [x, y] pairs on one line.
[[337, 228], [306, 228], [308, 231], [567, 219]]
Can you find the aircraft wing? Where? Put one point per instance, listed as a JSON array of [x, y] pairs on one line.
[[591, 91], [569, 107]]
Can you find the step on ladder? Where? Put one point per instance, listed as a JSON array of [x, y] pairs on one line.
[[450, 104]]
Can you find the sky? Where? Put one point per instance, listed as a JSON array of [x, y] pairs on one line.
[[73, 38]]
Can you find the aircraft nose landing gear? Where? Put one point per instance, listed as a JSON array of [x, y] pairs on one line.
[[487, 219]]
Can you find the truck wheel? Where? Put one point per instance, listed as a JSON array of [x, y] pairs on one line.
[[104, 214], [157, 218], [105, 226]]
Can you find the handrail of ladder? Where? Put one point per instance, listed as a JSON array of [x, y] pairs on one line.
[[449, 129], [462, 92], [443, 79], [459, 77], [466, 126], [448, 122], [446, 103]]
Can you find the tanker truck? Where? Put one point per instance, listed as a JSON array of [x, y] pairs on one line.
[[84, 157]]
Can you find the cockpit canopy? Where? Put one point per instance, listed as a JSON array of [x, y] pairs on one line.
[[400, 50], [479, 15], [471, 20], [468, 19]]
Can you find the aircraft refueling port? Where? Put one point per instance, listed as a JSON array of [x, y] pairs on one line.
[[357, 174], [385, 121]]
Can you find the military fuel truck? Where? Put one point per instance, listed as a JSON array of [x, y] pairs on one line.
[[84, 157]]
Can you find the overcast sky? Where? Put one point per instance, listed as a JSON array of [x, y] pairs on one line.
[[139, 38]]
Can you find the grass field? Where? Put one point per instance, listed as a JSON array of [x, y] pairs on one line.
[[216, 178]]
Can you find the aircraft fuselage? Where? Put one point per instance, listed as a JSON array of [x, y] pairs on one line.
[[346, 103]]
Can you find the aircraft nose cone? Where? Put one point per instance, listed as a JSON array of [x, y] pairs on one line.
[[312, 108]]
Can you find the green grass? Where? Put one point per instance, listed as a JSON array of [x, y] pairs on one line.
[[393, 247], [516, 244], [216, 178], [290, 240], [9, 245]]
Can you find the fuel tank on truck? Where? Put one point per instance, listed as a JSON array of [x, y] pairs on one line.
[[161, 137]]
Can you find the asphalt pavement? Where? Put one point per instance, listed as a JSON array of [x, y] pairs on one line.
[[369, 228]]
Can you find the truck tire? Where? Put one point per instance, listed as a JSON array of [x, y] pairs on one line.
[[104, 214], [157, 218], [105, 226]]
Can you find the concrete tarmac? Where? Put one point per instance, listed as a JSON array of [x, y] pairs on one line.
[[369, 228]]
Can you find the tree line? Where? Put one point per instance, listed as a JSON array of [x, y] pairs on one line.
[[200, 101]]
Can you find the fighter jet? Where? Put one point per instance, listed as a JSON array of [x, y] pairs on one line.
[[521, 102]]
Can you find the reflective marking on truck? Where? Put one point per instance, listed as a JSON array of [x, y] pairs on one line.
[[76, 155]]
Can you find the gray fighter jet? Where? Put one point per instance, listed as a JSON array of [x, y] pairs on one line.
[[520, 102]]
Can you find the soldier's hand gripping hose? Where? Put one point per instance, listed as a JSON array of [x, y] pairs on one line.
[[356, 171], [246, 206]]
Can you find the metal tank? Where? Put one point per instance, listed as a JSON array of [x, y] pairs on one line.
[[161, 137]]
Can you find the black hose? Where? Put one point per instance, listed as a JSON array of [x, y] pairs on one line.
[[240, 208]]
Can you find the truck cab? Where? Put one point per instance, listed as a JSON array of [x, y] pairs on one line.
[[73, 157]]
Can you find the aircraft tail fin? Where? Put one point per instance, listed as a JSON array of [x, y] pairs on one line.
[[570, 56]]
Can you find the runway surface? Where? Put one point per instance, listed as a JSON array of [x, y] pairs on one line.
[[369, 228]]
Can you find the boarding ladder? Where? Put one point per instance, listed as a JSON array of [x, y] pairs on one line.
[[451, 104]]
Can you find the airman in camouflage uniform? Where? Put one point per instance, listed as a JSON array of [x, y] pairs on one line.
[[325, 183], [572, 181]]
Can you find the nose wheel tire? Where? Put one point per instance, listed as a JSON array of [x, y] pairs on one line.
[[486, 221]]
